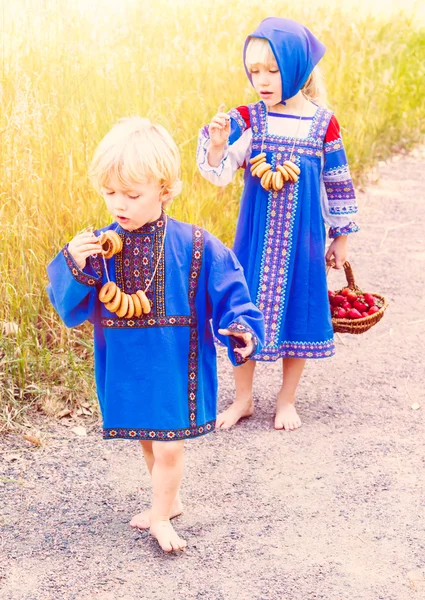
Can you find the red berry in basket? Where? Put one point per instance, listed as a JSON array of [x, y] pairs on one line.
[[331, 294], [360, 306], [365, 314], [369, 299], [372, 310], [337, 300], [345, 292], [346, 305], [352, 297], [354, 314], [341, 313]]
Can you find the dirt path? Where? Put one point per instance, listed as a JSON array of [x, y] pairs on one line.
[[334, 511]]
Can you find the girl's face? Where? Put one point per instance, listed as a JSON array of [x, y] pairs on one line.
[[267, 82], [133, 207]]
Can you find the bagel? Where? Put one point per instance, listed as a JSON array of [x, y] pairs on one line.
[[123, 307], [255, 159], [138, 310], [107, 292], [130, 311], [293, 166], [144, 302], [114, 304]]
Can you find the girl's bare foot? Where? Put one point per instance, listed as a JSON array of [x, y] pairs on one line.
[[238, 410], [167, 537], [142, 520], [286, 416]]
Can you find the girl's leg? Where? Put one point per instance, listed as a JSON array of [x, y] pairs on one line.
[[243, 405], [167, 474], [142, 520], [286, 414]]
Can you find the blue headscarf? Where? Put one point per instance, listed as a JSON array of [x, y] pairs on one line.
[[296, 49]]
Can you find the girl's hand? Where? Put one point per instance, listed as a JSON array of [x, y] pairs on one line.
[[219, 128], [337, 251], [245, 337], [82, 246]]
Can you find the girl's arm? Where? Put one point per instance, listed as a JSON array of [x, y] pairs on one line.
[[338, 198], [224, 145], [73, 283]]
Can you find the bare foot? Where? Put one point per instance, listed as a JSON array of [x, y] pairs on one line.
[[236, 411], [286, 416], [167, 537], [142, 520]]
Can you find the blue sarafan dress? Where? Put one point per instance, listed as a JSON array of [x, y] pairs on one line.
[[156, 375], [280, 236]]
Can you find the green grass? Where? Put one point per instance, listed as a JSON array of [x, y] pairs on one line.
[[67, 74]]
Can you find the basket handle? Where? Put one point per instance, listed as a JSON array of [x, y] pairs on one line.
[[351, 283]]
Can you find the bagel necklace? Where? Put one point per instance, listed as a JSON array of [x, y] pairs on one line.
[[115, 300], [275, 180]]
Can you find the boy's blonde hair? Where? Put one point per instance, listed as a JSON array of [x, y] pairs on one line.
[[134, 151], [259, 52]]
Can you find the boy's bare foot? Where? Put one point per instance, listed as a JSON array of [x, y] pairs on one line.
[[286, 416], [142, 520], [236, 411], [167, 537]]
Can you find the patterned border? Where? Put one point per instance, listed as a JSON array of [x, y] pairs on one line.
[[159, 434], [77, 273], [146, 322], [236, 115], [324, 349], [347, 229], [195, 269]]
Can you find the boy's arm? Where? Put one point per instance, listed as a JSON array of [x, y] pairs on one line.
[[232, 309], [73, 291]]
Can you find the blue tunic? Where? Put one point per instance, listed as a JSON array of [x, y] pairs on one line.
[[156, 375]]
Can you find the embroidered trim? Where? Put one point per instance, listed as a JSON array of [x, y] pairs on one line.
[[146, 322], [324, 349], [345, 230], [77, 273], [236, 115], [202, 156], [158, 434], [195, 270], [333, 146]]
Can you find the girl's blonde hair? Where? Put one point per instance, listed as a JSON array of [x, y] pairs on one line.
[[259, 52], [134, 151]]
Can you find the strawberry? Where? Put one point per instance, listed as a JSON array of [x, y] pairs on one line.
[[347, 305], [337, 300], [354, 314], [372, 310], [345, 292], [369, 299], [360, 306], [341, 313], [352, 297], [365, 314]]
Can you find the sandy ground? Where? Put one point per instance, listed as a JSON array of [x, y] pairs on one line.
[[333, 511]]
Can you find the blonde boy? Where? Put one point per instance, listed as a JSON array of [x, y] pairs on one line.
[[151, 303]]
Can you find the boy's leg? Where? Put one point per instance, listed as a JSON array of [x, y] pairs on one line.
[[286, 414], [142, 520], [243, 405], [166, 479]]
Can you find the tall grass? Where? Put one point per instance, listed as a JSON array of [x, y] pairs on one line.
[[68, 72]]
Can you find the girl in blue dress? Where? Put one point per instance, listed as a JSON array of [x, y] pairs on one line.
[[296, 180], [151, 298]]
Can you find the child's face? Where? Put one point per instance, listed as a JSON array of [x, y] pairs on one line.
[[267, 82], [135, 206]]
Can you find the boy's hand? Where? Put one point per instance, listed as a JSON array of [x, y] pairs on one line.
[[82, 246], [248, 349], [219, 128], [337, 251]]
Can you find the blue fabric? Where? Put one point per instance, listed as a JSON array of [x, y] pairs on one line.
[[156, 376], [296, 49], [280, 242]]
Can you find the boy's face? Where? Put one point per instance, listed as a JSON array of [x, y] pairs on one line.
[[267, 83], [133, 207]]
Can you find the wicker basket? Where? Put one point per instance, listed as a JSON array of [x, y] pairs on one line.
[[365, 323]]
